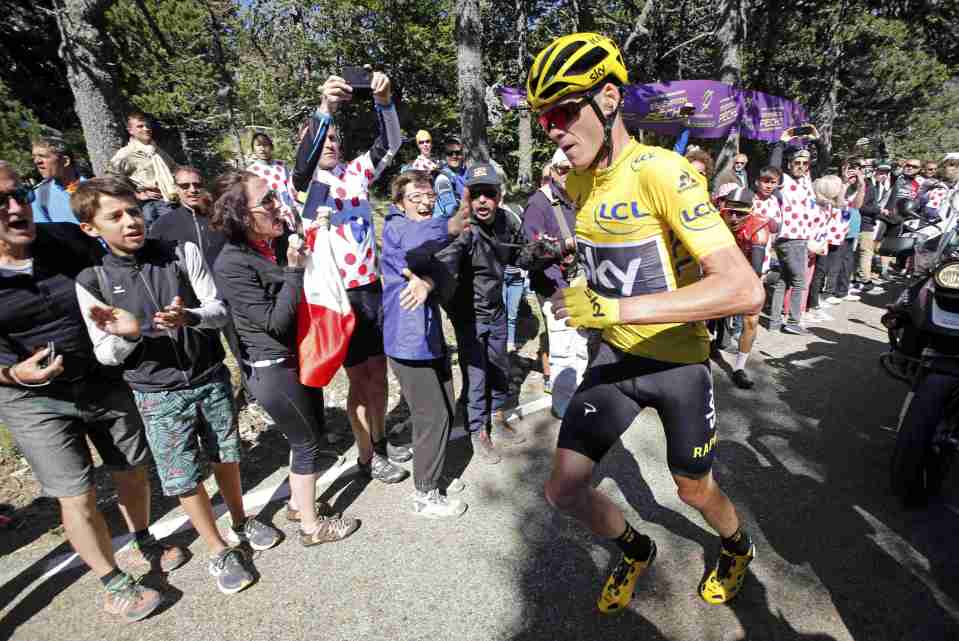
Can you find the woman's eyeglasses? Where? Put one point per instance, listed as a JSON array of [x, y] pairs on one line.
[[268, 200], [422, 198]]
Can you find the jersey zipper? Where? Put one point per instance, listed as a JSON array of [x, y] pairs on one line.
[[169, 333]]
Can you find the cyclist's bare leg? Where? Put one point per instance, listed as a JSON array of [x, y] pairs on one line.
[[705, 495]]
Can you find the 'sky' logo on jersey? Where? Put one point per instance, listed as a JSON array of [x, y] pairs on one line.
[[625, 270]]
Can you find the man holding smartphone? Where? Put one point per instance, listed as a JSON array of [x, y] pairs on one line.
[[52, 407]]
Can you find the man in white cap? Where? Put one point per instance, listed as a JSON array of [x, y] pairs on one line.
[[425, 162], [550, 214]]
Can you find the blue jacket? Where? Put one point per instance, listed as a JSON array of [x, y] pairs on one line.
[[449, 186], [418, 334], [52, 203]]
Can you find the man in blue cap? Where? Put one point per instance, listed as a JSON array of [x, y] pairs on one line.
[[478, 259]]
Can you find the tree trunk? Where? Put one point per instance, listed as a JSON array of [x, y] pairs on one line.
[[91, 72], [730, 32], [828, 119], [472, 88], [524, 179]]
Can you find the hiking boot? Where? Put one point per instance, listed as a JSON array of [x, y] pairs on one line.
[[151, 556], [259, 535], [483, 448], [323, 510], [128, 599], [618, 591], [433, 505], [724, 582], [503, 433], [380, 469], [330, 530], [742, 380], [399, 453], [229, 569]]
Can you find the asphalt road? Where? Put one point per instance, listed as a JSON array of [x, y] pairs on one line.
[[804, 457]]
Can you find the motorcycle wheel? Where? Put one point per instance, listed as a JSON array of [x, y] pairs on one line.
[[909, 467]]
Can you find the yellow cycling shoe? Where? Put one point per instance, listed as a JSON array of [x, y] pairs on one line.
[[618, 591], [724, 582]]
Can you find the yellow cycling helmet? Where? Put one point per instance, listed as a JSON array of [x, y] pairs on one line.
[[571, 64]]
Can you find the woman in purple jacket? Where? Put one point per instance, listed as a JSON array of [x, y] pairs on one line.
[[413, 330]]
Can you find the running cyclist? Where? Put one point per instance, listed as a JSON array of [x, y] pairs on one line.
[[659, 262]]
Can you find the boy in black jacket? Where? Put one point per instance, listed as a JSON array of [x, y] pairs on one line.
[[153, 308]]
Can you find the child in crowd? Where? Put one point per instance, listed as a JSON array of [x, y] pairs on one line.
[[153, 308]]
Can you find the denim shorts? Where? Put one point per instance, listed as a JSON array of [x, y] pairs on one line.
[[179, 422], [51, 425]]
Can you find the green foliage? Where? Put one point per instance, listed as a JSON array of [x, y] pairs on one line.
[[213, 71], [18, 126]]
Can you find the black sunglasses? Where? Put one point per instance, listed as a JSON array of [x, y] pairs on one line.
[[454, 152], [23, 196], [185, 186]]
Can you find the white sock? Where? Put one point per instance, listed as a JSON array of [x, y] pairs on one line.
[[741, 361]]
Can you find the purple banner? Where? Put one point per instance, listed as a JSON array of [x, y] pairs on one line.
[[512, 97], [715, 109], [764, 117], [657, 108]]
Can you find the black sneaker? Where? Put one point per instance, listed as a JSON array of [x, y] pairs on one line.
[[742, 380], [380, 469]]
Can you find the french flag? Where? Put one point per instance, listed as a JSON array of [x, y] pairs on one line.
[[325, 319]]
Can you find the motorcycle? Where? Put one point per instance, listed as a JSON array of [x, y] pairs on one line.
[[923, 331], [910, 236]]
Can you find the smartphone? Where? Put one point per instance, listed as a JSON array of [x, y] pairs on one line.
[[358, 77], [47, 360], [801, 131]]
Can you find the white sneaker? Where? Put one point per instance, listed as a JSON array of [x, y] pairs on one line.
[[823, 315], [876, 290], [855, 289], [810, 317], [434, 505], [852, 297], [833, 300]]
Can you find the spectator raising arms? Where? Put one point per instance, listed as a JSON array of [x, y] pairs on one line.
[[344, 188]]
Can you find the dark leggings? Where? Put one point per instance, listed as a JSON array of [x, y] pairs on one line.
[[819, 279], [297, 410]]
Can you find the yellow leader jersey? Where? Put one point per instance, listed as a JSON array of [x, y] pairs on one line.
[[642, 224]]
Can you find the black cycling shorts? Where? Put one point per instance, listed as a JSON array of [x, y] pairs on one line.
[[617, 386], [367, 339]]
